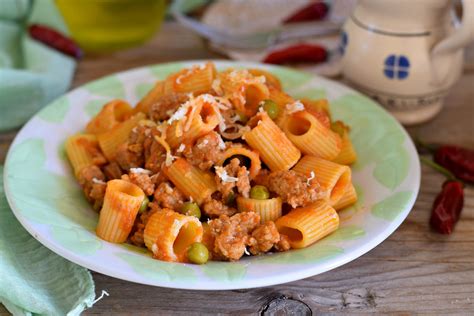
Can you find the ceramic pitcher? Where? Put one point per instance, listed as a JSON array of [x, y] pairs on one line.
[[406, 54]]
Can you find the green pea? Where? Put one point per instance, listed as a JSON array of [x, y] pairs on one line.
[[230, 198], [144, 205], [271, 108], [198, 253], [242, 117], [191, 209], [259, 192], [338, 127]]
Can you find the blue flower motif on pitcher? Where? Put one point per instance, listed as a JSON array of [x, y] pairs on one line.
[[396, 67], [343, 44]]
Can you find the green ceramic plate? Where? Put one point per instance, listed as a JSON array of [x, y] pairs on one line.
[[47, 200]]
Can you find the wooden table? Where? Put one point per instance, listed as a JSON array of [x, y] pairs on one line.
[[414, 271]]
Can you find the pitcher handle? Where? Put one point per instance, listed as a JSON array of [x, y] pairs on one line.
[[463, 35]]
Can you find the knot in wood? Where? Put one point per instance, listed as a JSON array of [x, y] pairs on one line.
[[282, 306]]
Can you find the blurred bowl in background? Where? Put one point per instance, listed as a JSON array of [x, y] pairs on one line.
[[109, 25]]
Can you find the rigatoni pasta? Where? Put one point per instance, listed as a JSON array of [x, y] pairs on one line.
[[306, 225], [348, 154], [112, 113], [266, 137], [244, 90], [111, 139], [333, 178], [255, 164], [348, 198], [151, 97], [121, 204], [82, 151], [270, 79], [197, 79], [190, 180], [168, 235], [199, 117], [311, 136], [215, 165], [269, 210]]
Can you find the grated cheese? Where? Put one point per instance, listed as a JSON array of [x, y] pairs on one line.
[[216, 86], [168, 189], [181, 148], [162, 128], [179, 114], [97, 181], [169, 156], [221, 142], [140, 171], [222, 173], [297, 106], [311, 177], [204, 143], [245, 129]]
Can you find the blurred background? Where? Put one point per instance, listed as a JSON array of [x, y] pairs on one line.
[[43, 42]]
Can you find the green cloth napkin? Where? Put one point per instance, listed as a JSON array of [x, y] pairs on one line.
[[33, 279], [31, 74]]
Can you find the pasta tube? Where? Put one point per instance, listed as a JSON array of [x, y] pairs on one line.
[[112, 139], [274, 147], [281, 99], [333, 178], [207, 238], [255, 164], [320, 105], [348, 155], [311, 136], [202, 116], [79, 151], [244, 90], [121, 204], [168, 235], [269, 210], [190, 180], [348, 198], [112, 113], [197, 80], [306, 225], [270, 79], [152, 96]]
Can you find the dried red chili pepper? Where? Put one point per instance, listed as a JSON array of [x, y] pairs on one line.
[[54, 39], [458, 160], [313, 11], [298, 53], [447, 207]]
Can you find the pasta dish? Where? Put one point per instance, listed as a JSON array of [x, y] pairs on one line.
[[215, 165]]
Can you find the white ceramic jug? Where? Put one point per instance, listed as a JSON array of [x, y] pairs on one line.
[[406, 54]]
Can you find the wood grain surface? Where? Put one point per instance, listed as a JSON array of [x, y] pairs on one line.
[[414, 271]]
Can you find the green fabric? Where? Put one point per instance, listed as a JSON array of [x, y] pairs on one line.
[[31, 74], [33, 279]]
